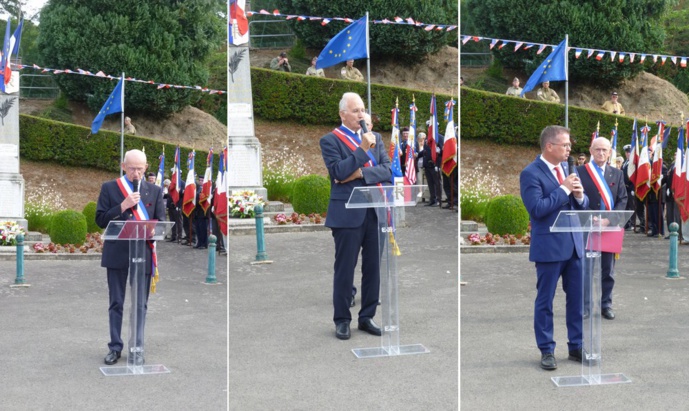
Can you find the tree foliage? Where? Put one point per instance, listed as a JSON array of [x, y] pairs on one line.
[[631, 25], [164, 41], [391, 40]]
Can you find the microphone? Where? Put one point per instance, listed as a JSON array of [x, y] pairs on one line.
[[362, 123], [570, 165], [135, 183]]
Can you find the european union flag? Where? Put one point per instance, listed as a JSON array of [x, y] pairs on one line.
[[349, 44], [552, 69], [396, 167], [113, 104]]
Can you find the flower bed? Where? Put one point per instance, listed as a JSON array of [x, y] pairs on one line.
[[8, 233], [494, 239], [313, 218], [93, 244]]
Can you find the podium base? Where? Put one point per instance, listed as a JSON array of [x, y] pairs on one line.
[[391, 352], [134, 370], [580, 380]]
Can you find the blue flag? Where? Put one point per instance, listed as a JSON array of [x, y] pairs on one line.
[[349, 44], [552, 69], [16, 39], [114, 104]]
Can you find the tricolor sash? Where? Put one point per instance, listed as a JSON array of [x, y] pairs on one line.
[[352, 141], [596, 174], [141, 214]]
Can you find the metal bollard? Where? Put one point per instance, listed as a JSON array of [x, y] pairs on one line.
[[20, 259], [260, 235], [672, 271], [210, 279]]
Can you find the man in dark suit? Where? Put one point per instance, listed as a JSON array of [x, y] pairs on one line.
[[429, 169], [546, 191], [116, 202], [354, 159], [604, 186]]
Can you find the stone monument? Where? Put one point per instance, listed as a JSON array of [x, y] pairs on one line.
[[11, 182], [244, 149]]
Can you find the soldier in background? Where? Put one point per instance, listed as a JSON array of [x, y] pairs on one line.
[[349, 72], [515, 90], [545, 93], [612, 106]]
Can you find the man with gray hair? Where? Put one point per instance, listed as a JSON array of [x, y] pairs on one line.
[[354, 159], [129, 197]]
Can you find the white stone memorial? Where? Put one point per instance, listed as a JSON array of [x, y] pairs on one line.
[[11, 182]]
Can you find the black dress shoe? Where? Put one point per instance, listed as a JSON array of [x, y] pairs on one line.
[[200, 247], [112, 357], [431, 204], [342, 331], [548, 361], [370, 327], [447, 206], [579, 356], [608, 313]]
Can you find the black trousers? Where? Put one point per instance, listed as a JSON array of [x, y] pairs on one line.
[[201, 229], [432, 182], [117, 286], [450, 184], [348, 242]]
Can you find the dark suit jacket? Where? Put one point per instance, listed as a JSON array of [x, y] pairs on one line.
[[341, 162], [544, 199], [615, 180], [116, 253]]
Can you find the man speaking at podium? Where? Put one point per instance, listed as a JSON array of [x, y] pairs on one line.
[[121, 200], [547, 187], [354, 158]]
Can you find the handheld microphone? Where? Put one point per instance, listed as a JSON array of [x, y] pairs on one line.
[[135, 183], [570, 165], [362, 123]]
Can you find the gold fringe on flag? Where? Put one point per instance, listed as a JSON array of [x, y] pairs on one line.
[[395, 248], [154, 281]]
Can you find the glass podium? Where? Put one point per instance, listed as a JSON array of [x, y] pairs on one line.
[[387, 200], [137, 233], [603, 231]]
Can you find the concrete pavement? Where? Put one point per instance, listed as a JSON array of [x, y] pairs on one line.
[[283, 350], [646, 342], [54, 335]]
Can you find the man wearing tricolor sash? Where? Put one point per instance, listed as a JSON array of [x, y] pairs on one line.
[[129, 197], [604, 186], [354, 159]]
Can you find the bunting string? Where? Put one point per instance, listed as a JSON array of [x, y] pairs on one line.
[[600, 54], [325, 20], [108, 76]]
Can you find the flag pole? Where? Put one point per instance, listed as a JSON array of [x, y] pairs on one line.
[[368, 68], [566, 53], [122, 125]]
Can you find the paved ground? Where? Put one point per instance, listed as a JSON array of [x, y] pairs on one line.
[[283, 350], [646, 342], [53, 337]]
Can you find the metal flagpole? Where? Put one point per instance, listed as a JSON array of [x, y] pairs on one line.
[[368, 68], [122, 125], [566, 80]]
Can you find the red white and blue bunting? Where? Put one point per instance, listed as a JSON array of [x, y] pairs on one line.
[[622, 56], [325, 20]]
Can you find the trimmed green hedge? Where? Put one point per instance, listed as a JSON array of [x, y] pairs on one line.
[[507, 215], [511, 120], [314, 100], [71, 145], [68, 227], [311, 194]]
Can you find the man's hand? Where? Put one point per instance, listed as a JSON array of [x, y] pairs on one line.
[[368, 140], [573, 183], [130, 201], [356, 174]]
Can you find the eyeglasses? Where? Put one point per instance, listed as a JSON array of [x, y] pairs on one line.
[[565, 145]]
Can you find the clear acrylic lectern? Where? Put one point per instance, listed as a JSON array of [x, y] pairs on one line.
[[386, 200], [602, 231], [138, 234]]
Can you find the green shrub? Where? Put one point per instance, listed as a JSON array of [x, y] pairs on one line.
[[90, 213], [68, 227], [38, 218], [279, 185], [507, 215], [473, 204], [311, 194]]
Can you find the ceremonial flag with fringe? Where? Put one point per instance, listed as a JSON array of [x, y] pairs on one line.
[[189, 200]]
